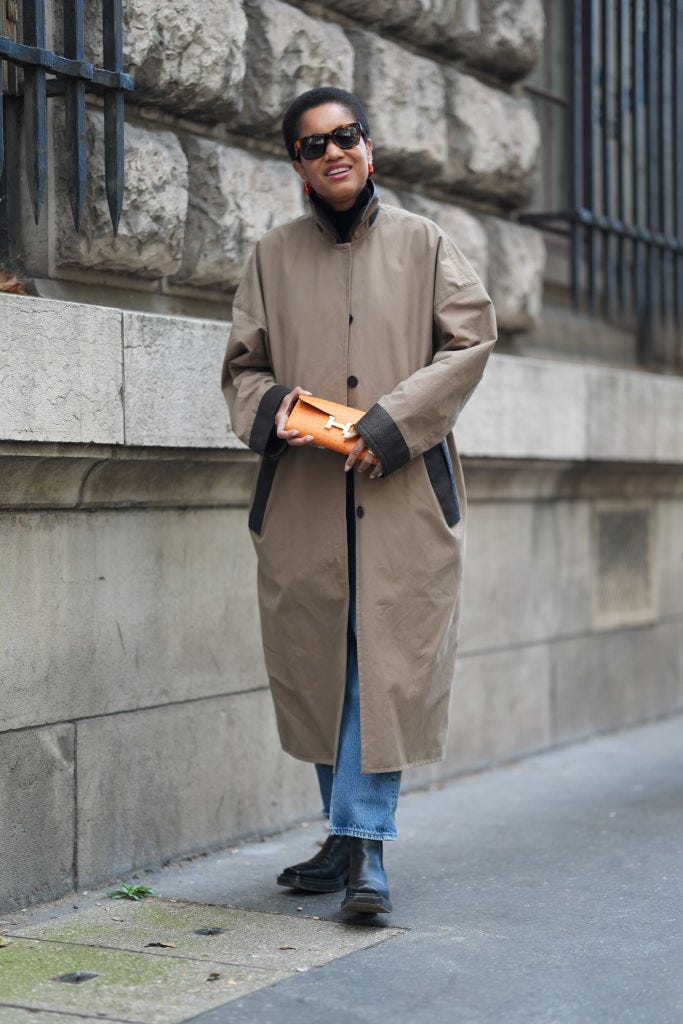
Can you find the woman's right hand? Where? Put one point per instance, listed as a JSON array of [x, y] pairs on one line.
[[284, 409]]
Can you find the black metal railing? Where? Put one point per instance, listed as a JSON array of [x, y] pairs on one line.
[[625, 125], [71, 75]]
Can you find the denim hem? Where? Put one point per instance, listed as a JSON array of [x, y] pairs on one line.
[[359, 833]]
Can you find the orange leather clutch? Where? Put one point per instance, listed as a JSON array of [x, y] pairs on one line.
[[327, 422]]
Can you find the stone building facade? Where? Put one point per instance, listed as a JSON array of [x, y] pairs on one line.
[[134, 700]]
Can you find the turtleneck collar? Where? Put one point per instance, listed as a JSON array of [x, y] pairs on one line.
[[343, 225]]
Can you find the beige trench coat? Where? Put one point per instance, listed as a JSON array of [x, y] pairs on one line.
[[396, 322]]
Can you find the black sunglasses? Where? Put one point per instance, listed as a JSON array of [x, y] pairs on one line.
[[313, 146]]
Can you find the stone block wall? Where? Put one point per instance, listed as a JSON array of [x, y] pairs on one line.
[[206, 173]]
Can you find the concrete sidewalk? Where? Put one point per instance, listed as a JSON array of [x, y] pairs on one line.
[[549, 891]]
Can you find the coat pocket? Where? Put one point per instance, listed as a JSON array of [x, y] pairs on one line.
[[438, 464], [264, 486]]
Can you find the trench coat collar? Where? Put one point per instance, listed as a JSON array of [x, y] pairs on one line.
[[364, 221]]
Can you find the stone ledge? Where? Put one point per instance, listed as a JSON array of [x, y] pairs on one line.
[[93, 478], [120, 478], [60, 387], [538, 409]]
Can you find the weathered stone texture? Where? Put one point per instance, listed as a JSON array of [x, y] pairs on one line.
[[668, 531], [614, 432], [510, 39], [36, 814], [150, 236], [540, 544], [449, 26], [181, 480], [607, 681], [405, 99], [188, 58], [493, 141], [209, 771], [500, 707], [287, 53], [464, 229], [516, 273], [60, 371], [172, 373], [235, 197], [389, 196], [526, 409], [111, 611]]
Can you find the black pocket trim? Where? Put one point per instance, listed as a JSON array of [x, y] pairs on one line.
[[264, 484], [438, 463]]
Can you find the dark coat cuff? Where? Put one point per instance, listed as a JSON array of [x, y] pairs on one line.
[[263, 438], [383, 437]]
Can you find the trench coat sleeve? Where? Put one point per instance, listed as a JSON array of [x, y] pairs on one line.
[[423, 408], [248, 381]]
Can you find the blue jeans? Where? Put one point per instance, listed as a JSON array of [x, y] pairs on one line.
[[357, 804]]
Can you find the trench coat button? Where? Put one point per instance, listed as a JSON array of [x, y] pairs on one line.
[[352, 382], [350, 318], [360, 511]]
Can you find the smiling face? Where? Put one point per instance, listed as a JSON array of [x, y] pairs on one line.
[[339, 175]]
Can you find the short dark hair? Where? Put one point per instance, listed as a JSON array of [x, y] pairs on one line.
[[316, 98]]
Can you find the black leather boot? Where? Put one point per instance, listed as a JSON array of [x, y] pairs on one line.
[[326, 872], [368, 890]]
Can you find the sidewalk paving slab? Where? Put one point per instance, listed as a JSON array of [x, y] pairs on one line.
[[137, 979]]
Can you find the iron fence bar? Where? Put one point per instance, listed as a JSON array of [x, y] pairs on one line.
[[9, 198], [638, 92], [74, 110], [652, 190], [35, 107], [112, 25], [665, 183], [24, 56], [622, 108], [677, 115], [670, 243], [2, 124], [543, 94], [592, 101], [607, 119], [577, 148]]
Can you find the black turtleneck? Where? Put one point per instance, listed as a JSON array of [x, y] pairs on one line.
[[342, 221]]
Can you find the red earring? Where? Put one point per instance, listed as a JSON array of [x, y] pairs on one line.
[[371, 168], [307, 189]]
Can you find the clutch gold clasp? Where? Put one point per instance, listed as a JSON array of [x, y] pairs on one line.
[[344, 427]]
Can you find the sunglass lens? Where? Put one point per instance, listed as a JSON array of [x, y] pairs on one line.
[[346, 137], [313, 146]]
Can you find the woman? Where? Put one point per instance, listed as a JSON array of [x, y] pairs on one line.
[[359, 560]]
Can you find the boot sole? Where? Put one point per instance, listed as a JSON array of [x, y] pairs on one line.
[[366, 903], [312, 884]]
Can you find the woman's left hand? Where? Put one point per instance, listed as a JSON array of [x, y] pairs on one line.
[[367, 458]]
